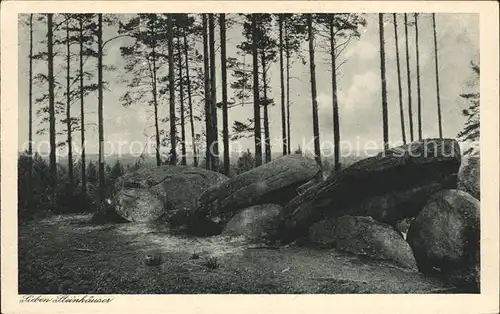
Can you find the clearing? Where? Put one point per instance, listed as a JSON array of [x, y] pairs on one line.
[[66, 254]]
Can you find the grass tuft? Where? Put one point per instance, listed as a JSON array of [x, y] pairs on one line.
[[212, 262]]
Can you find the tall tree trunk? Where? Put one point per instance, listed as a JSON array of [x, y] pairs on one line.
[[206, 75], [287, 47], [336, 127], [82, 113], [418, 80], [213, 93], [30, 118], [312, 66], [440, 123], [282, 86], [225, 122], [68, 106], [155, 103], [52, 118], [181, 100], [256, 100], [102, 181], [267, 142], [408, 76], [383, 80], [190, 101], [400, 92], [171, 82]]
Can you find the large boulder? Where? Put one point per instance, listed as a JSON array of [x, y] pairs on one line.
[[469, 179], [364, 236], [147, 194], [445, 236], [272, 183], [390, 186], [138, 204], [259, 222]]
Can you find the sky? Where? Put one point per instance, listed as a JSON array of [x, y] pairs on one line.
[[359, 88]]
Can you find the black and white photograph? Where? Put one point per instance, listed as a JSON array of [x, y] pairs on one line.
[[248, 153]]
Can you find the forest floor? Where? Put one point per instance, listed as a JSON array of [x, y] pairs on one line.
[[66, 254]]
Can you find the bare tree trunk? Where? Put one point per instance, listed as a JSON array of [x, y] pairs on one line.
[[256, 100], [418, 80], [208, 113], [82, 113], [408, 75], [213, 93], [102, 181], [336, 127], [171, 82], [225, 127], [400, 92], [181, 99], [30, 118], [52, 119], [440, 123], [384, 86], [155, 103], [68, 106], [190, 101], [287, 45], [282, 86], [267, 142], [312, 65]]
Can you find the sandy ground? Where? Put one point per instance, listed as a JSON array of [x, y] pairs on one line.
[[65, 254]]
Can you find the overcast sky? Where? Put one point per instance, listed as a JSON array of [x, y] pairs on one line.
[[359, 86]]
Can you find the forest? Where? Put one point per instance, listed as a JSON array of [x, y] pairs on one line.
[[167, 69], [208, 175]]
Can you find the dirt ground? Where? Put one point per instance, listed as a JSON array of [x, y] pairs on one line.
[[66, 254]]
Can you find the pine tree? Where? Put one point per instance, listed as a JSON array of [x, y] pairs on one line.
[[171, 82], [471, 131], [82, 101], [30, 118], [312, 66], [256, 96], [206, 76], [68, 103], [102, 181], [225, 127], [340, 29], [419, 110], [295, 33], [213, 94], [268, 52], [147, 31], [335, 105], [189, 91], [383, 80], [438, 98], [282, 87], [400, 92], [408, 76], [181, 91], [52, 119]]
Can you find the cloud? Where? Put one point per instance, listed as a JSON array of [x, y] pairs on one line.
[[362, 50]]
